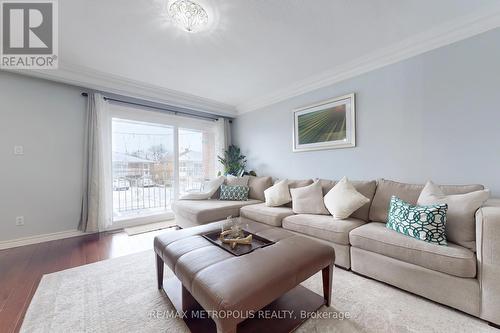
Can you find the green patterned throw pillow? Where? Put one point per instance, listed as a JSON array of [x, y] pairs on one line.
[[235, 192], [425, 223]]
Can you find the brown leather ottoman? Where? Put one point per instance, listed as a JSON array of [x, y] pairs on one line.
[[219, 281]]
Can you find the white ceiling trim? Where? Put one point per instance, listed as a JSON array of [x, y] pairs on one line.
[[97, 80], [445, 34], [452, 31]]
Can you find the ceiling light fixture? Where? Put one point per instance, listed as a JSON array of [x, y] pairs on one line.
[[188, 15]]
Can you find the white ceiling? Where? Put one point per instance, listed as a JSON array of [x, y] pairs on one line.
[[257, 51]]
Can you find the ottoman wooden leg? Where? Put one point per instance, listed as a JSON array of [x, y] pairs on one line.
[[159, 271], [327, 284]]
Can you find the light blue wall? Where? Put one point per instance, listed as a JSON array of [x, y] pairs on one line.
[[435, 116], [45, 184]]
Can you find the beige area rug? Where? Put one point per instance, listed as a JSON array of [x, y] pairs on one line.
[[141, 229], [119, 295]]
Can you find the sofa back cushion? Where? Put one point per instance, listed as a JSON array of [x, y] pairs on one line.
[[236, 181], [257, 187], [460, 221], [326, 185], [308, 200], [299, 183], [296, 183], [365, 187], [406, 192]]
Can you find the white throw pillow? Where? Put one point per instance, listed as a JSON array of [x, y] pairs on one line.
[[237, 181], [460, 218], [278, 194], [211, 186], [208, 190], [308, 200], [343, 199]]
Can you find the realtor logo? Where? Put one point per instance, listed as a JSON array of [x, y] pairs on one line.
[[29, 34]]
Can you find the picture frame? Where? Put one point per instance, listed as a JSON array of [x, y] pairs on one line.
[[329, 124]]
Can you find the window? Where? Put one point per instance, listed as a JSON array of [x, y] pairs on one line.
[[196, 162], [155, 157], [143, 164]]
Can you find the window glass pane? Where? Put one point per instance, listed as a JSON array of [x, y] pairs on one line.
[[143, 168], [196, 159]]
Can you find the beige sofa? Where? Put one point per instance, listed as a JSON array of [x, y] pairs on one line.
[[463, 278]]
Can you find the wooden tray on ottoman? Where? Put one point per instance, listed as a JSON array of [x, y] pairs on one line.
[[240, 249]]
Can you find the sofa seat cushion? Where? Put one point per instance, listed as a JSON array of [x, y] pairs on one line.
[[205, 211], [451, 259], [264, 214], [322, 226]]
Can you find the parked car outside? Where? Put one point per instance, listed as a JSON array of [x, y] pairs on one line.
[[120, 184], [146, 182]]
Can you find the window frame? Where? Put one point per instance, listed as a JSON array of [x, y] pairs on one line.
[[124, 112]]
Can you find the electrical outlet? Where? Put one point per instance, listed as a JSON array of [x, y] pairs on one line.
[[20, 220], [18, 150]]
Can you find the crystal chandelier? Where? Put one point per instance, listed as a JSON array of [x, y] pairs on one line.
[[188, 15]]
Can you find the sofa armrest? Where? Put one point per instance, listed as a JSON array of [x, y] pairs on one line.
[[488, 257]]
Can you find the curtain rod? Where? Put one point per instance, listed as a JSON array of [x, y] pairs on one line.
[[155, 106]]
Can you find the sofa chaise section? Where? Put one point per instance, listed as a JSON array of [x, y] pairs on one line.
[[189, 213]]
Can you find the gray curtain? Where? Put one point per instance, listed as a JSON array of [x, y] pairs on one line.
[[227, 132], [95, 208], [223, 139], [89, 163]]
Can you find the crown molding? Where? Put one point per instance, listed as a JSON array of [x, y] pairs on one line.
[[96, 80], [445, 34]]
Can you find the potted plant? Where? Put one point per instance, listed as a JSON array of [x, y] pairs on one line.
[[234, 162]]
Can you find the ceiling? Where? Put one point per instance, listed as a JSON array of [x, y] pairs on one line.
[[256, 51]]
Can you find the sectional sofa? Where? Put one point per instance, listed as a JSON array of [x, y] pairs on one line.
[[463, 278]]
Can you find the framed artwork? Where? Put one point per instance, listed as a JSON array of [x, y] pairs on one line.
[[326, 125]]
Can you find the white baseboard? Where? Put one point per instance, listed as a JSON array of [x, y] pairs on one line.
[[7, 244], [40, 238]]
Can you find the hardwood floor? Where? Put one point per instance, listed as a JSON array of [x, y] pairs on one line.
[[22, 268]]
